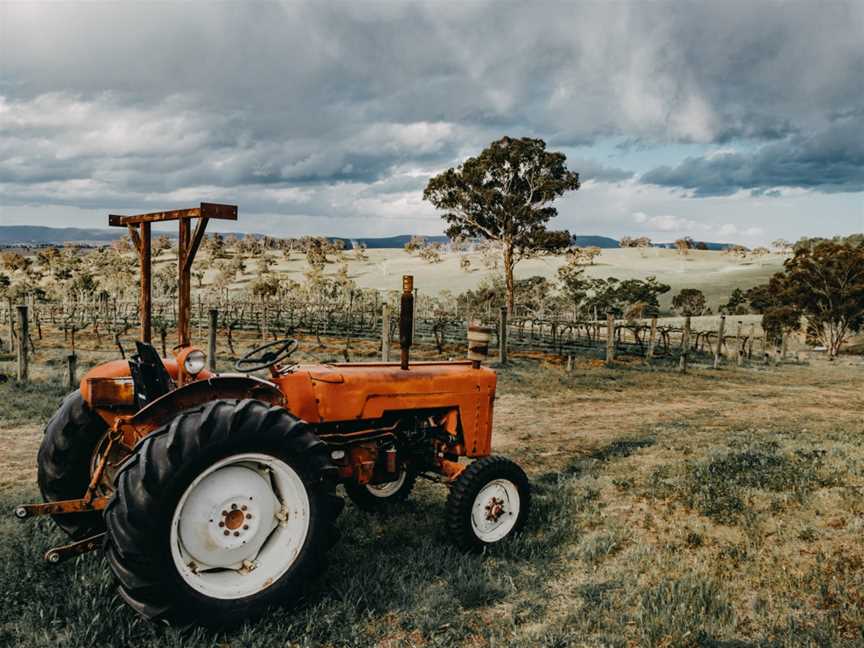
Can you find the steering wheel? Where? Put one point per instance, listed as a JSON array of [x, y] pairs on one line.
[[263, 357]]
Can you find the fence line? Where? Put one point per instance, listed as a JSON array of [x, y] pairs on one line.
[[366, 319]]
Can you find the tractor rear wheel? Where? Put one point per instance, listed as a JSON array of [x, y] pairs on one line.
[[71, 439], [488, 502], [225, 511], [378, 498]]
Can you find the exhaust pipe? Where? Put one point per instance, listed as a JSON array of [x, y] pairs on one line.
[[406, 318], [478, 343]]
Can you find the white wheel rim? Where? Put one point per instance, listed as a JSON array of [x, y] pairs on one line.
[[226, 551], [387, 489], [495, 510]]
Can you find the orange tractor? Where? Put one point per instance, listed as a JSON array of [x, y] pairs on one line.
[[215, 495]]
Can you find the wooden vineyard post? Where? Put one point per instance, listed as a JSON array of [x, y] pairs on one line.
[[610, 338], [211, 339], [11, 325], [502, 337], [750, 341], [71, 371], [739, 356], [719, 349], [385, 333], [652, 341], [414, 315], [685, 345], [23, 369]]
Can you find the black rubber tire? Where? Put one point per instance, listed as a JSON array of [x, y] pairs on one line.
[[366, 501], [63, 463], [150, 484], [465, 490]]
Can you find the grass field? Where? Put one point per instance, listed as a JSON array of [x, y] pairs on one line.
[[714, 509], [713, 272]]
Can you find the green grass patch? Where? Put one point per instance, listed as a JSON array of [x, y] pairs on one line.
[[33, 402], [669, 611], [718, 486]]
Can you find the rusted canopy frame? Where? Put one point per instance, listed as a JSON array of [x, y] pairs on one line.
[[207, 210], [187, 248]]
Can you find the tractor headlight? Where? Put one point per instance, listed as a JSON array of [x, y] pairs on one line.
[[194, 362]]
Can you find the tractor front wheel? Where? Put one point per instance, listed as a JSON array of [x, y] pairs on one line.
[[225, 511], [488, 502], [378, 498]]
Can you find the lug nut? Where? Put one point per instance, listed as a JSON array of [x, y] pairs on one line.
[[221, 524], [233, 507], [248, 516], [224, 512], [245, 527], [243, 508], [226, 532], [236, 533]]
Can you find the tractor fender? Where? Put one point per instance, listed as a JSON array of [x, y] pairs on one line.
[[221, 387]]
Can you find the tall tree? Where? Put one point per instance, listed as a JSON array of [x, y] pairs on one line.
[[825, 283], [505, 195], [690, 301]]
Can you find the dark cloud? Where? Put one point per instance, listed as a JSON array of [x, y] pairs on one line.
[[296, 106], [829, 161]]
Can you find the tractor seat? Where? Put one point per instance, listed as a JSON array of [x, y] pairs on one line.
[[149, 376]]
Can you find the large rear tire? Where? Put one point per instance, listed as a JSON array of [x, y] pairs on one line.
[[173, 540], [71, 438]]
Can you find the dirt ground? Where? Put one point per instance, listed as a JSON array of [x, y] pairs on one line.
[[546, 416], [18, 448], [713, 508]]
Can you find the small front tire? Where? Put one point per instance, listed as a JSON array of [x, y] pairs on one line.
[[488, 503]]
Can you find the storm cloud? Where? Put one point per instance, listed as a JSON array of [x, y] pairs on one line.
[[829, 161], [323, 110]]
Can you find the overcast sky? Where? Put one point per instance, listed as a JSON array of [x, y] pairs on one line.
[[718, 120]]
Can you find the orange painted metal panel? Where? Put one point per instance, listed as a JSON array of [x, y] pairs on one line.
[[341, 393], [366, 391]]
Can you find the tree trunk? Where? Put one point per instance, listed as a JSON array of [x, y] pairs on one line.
[[508, 276]]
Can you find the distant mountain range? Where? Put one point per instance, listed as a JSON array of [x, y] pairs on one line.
[[15, 235], [709, 245], [38, 235]]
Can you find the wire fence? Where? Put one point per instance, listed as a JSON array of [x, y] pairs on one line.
[[554, 334]]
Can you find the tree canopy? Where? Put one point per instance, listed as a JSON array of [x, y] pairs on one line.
[[825, 283], [505, 195], [690, 301]]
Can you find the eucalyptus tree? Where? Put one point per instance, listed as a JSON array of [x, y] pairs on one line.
[[505, 195]]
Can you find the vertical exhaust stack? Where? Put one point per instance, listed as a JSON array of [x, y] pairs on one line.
[[406, 318], [478, 342]]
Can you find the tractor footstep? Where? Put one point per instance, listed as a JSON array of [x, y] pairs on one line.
[[59, 554]]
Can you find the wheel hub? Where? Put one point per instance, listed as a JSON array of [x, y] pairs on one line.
[[240, 525], [495, 510], [228, 517], [234, 518]]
